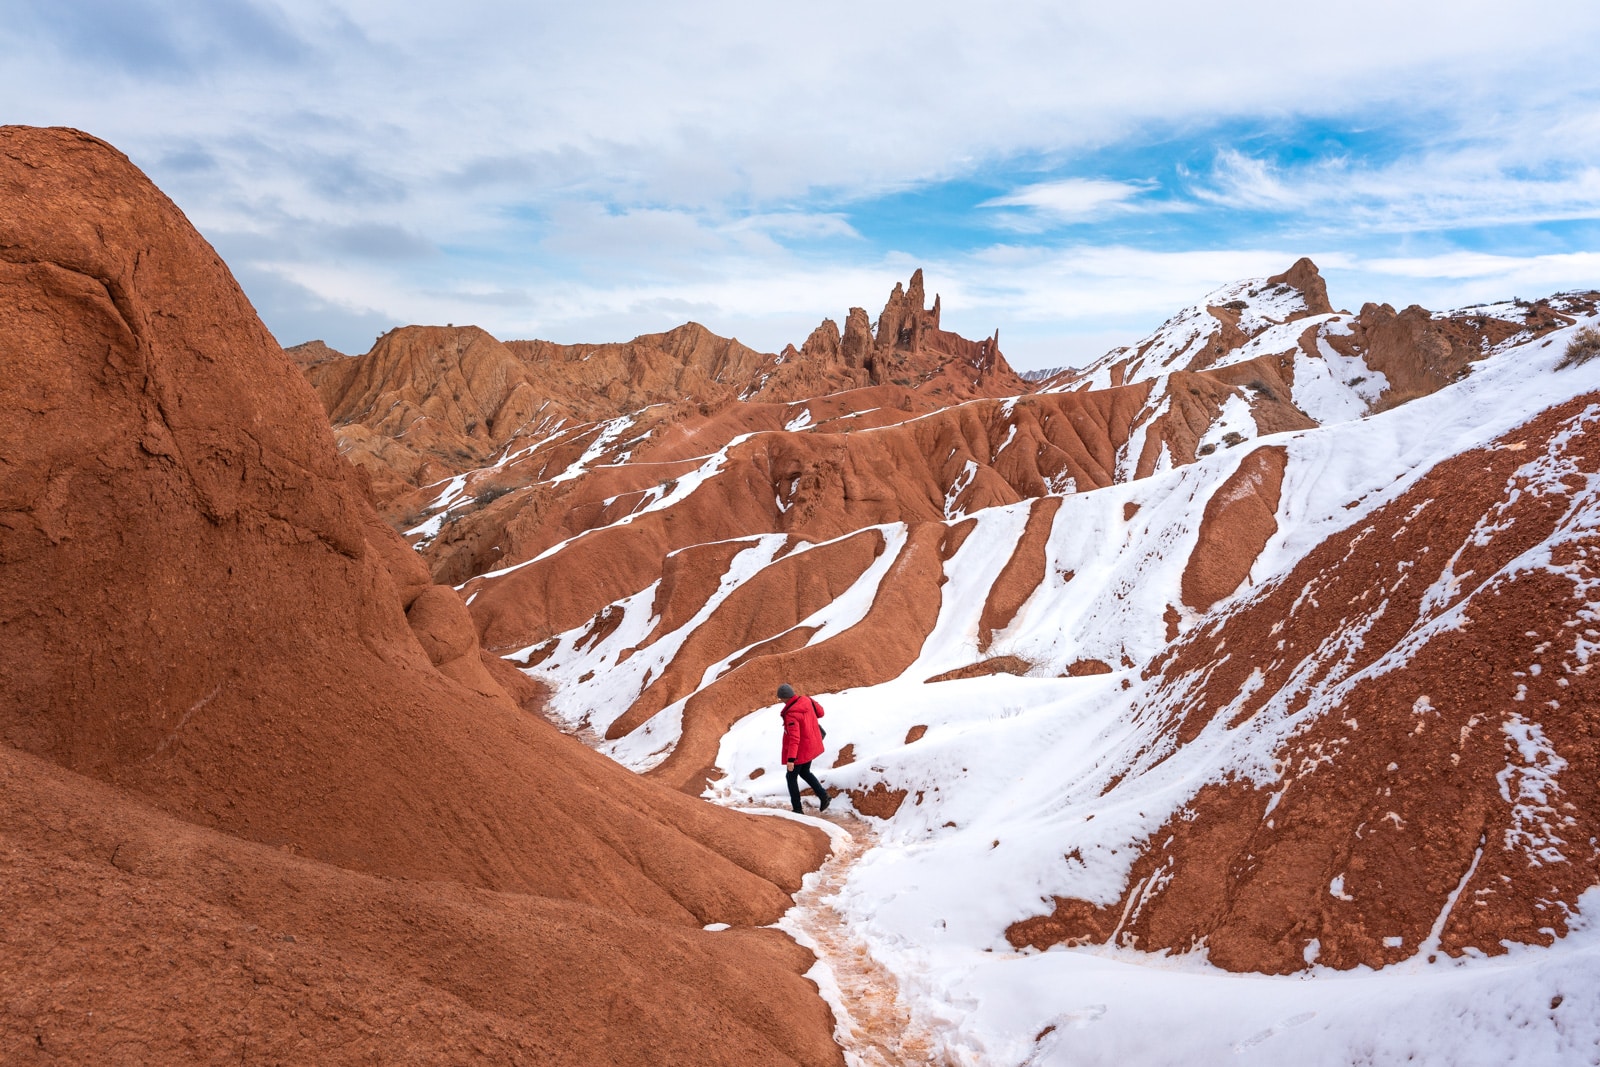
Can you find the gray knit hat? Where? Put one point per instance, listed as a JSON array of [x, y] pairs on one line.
[[785, 691]]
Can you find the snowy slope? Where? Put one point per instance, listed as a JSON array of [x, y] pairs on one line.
[[1010, 769], [1269, 315], [1100, 710]]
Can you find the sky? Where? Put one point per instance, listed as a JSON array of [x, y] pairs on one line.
[[1067, 173]]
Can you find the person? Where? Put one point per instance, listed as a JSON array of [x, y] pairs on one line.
[[802, 743]]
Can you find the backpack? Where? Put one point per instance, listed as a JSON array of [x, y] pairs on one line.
[[820, 713]]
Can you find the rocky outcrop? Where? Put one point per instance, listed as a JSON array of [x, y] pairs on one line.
[[233, 700], [856, 345], [425, 402], [1239, 519], [311, 353], [429, 402], [1271, 330], [823, 344], [1206, 335], [1417, 352], [1305, 279]]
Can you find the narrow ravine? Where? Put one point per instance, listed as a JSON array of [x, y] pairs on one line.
[[874, 1027]]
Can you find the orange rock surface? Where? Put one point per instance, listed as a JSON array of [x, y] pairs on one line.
[[235, 710]]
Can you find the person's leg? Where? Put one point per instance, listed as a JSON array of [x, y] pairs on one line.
[[803, 770], [792, 777]]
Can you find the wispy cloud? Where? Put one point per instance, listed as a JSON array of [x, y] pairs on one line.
[[574, 169], [1469, 187], [1072, 200]]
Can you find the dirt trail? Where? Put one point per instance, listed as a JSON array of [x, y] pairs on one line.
[[875, 1028]]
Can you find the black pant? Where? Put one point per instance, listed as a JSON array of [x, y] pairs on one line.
[[803, 770]]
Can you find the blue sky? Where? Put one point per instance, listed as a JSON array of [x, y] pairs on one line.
[[1066, 173]]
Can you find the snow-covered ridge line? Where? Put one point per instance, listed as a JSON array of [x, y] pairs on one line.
[[1010, 768]]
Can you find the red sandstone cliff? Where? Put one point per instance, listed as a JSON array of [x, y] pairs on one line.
[[261, 791], [429, 402]]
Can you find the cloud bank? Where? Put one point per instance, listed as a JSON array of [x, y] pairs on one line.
[[1064, 171]]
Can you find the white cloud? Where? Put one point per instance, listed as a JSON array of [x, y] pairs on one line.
[[1076, 200], [1469, 186], [801, 224], [1054, 306], [608, 164]]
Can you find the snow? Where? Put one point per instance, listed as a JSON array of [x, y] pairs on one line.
[[1528, 783], [1235, 418], [968, 471], [1332, 387], [1026, 788], [606, 435], [930, 901], [972, 571], [1179, 342]]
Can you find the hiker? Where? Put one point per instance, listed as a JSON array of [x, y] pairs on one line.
[[802, 743]]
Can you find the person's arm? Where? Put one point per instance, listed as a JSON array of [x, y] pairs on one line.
[[791, 740]]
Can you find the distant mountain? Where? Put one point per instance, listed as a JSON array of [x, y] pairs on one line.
[[429, 402], [1041, 375]]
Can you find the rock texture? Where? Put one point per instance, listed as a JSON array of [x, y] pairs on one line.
[[429, 402], [237, 710], [1439, 804]]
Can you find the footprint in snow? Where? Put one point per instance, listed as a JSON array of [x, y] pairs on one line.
[[1050, 1038], [1275, 1030], [1083, 1016]]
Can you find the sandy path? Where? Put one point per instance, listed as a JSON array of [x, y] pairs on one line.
[[872, 1023], [874, 1026]]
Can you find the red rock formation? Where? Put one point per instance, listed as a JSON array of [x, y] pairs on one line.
[[429, 402], [134, 936], [816, 485], [1305, 279], [1239, 519], [1418, 353], [774, 604], [291, 723]]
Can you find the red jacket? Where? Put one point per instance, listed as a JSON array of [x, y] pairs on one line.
[[802, 736]]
